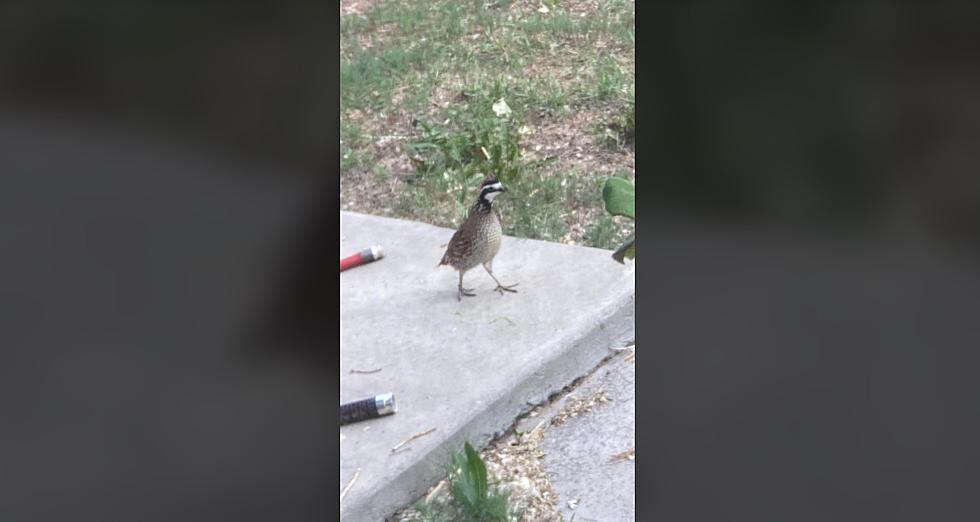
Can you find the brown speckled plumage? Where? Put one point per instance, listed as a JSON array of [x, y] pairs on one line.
[[478, 240]]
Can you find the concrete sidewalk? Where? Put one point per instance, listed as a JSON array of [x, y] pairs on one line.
[[465, 369], [589, 457]]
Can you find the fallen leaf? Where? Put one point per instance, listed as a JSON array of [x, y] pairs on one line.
[[501, 108]]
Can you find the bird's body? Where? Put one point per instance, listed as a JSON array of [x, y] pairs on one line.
[[478, 239]]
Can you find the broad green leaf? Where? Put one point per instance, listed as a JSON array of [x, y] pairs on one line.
[[478, 470], [462, 488], [463, 494], [620, 197], [627, 249]]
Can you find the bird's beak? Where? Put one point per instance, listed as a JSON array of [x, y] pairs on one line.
[[503, 188]]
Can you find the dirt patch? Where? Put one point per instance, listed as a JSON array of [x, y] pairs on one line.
[[571, 141]]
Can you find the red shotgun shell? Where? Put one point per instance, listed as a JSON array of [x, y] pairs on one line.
[[365, 256]]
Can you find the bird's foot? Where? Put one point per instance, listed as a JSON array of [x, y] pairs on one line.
[[501, 288], [468, 292]]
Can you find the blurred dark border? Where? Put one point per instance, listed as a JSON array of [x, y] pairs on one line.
[[252, 78], [808, 272], [169, 205]]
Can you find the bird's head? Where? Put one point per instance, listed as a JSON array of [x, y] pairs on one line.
[[491, 188]]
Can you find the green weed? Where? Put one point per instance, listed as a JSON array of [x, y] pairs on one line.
[[473, 498], [620, 129], [481, 138], [471, 488], [603, 233], [608, 79]]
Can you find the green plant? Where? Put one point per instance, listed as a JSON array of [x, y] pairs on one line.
[[484, 136], [471, 489], [608, 80], [619, 128], [627, 121], [481, 138], [602, 233], [620, 197]]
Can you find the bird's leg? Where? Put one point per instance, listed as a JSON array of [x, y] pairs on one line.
[[500, 288], [463, 291]]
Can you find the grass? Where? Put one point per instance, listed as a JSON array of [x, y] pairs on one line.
[[620, 130], [419, 81]]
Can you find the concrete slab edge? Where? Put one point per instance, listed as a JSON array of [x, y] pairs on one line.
[[582, 349]]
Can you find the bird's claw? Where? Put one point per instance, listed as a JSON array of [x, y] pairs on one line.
[[501, 288]]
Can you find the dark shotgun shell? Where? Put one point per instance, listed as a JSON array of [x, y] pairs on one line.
[[372, 408]]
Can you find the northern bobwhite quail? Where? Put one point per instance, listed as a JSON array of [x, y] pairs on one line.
[[478, 239]]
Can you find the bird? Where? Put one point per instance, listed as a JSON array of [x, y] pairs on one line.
[[478, 239]]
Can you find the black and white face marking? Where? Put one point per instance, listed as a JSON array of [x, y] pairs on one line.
[[491, 190]]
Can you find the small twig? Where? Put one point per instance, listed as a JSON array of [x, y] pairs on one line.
[[350, 484], [435, 491], [631, 357], [410, 439], [536, 428], [376, 370], [394, 137], [629, 454]]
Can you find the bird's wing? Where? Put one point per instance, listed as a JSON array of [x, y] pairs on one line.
[[459, 245]]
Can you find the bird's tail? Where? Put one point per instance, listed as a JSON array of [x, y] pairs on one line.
[[445, 257]]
